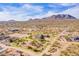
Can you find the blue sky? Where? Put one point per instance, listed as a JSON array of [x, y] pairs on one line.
[[25, 11]]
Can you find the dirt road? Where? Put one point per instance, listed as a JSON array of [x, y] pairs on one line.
[[29, 52], [52, 42]]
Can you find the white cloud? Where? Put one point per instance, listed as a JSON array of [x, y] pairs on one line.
[[48, 14], [68, 4], [29, 6], [5, 16], [72, 11], [23, 13], [20, 13]]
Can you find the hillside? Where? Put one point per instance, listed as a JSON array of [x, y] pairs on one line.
[[40, 37]]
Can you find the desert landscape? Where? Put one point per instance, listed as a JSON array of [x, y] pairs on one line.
[[46, 37], [56, 35]]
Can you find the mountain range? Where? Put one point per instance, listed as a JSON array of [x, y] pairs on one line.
[[61, 16], [55, 17]]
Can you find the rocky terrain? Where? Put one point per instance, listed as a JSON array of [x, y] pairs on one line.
[[57, 35]]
